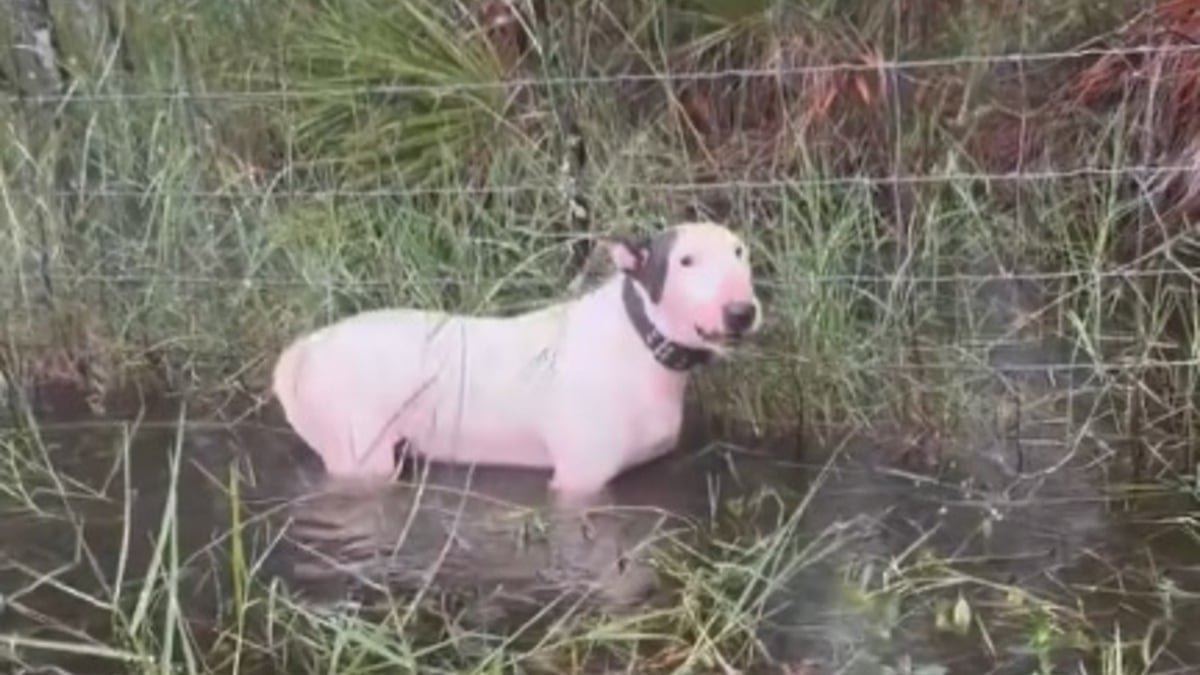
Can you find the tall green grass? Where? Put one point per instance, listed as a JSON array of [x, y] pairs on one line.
[[177, 205], [207, 189]]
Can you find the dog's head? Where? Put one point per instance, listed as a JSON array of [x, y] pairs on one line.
[[696, 281]]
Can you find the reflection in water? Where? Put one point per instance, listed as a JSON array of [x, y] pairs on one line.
[[461, 535]]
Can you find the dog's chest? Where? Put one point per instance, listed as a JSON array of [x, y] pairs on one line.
[[653, 429]]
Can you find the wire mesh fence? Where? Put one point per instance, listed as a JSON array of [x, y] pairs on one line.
[[883, 233], [980, 246]]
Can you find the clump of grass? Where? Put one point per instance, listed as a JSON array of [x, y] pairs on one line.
[[789, 114], [400, 92]]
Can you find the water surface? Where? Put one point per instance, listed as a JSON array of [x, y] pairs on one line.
[[1000, 508]]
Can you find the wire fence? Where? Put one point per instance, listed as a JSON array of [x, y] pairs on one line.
[[1082, 276], [1146, 174], [1078, 337], [881, 65], [1149, 177]]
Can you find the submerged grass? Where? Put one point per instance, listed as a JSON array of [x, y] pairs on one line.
[[145, 610], [200, 189]]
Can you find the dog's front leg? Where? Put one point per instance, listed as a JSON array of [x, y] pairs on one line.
[[584, 463], [574, 499], [585, 460], [575, 490]]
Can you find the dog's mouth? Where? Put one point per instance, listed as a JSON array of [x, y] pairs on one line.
[[719, 337]]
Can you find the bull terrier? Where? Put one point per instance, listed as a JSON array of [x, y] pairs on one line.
[[587, 388]]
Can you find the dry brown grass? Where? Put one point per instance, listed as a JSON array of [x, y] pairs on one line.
[[1161, 91], [760, 125]]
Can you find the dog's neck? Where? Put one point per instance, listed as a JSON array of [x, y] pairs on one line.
[[668, 353]]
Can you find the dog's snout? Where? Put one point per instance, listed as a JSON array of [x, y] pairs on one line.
[[739, 316]]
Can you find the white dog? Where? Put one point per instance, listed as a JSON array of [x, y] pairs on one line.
[[587, 387]]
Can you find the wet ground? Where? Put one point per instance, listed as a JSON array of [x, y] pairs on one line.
[[342, 546]]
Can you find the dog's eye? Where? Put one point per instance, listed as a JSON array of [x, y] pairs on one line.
[[686, 261], [739, 251]]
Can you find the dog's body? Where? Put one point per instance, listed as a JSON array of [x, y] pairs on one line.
[[574, 387]]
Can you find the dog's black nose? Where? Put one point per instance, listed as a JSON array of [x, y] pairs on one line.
[[739, 317]]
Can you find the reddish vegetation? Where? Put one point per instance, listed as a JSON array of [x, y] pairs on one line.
[[1162, 89], [1172, 23], [755, 124], [748, 125], [506, 27], [758, 125]]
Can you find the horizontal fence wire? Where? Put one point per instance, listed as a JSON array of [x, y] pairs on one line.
[[1084, 274], [199, 422], [879, 65], [972, 361], [1109, 369], [1148, 173]]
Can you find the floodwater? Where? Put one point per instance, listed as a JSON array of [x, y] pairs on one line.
[[1022, 506]]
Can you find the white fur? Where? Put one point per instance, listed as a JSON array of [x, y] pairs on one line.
[[570, 387]]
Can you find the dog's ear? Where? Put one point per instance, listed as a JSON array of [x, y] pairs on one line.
[[628, 254]]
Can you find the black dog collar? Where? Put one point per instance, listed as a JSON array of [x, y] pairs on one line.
[[671, 355]]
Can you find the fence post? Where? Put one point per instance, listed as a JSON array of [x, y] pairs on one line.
[[32, 64], [33, 59]]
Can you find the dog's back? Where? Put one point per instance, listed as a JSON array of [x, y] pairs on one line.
[[352, 389]]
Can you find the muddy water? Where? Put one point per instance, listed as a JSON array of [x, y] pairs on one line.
[[1021, 505]]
